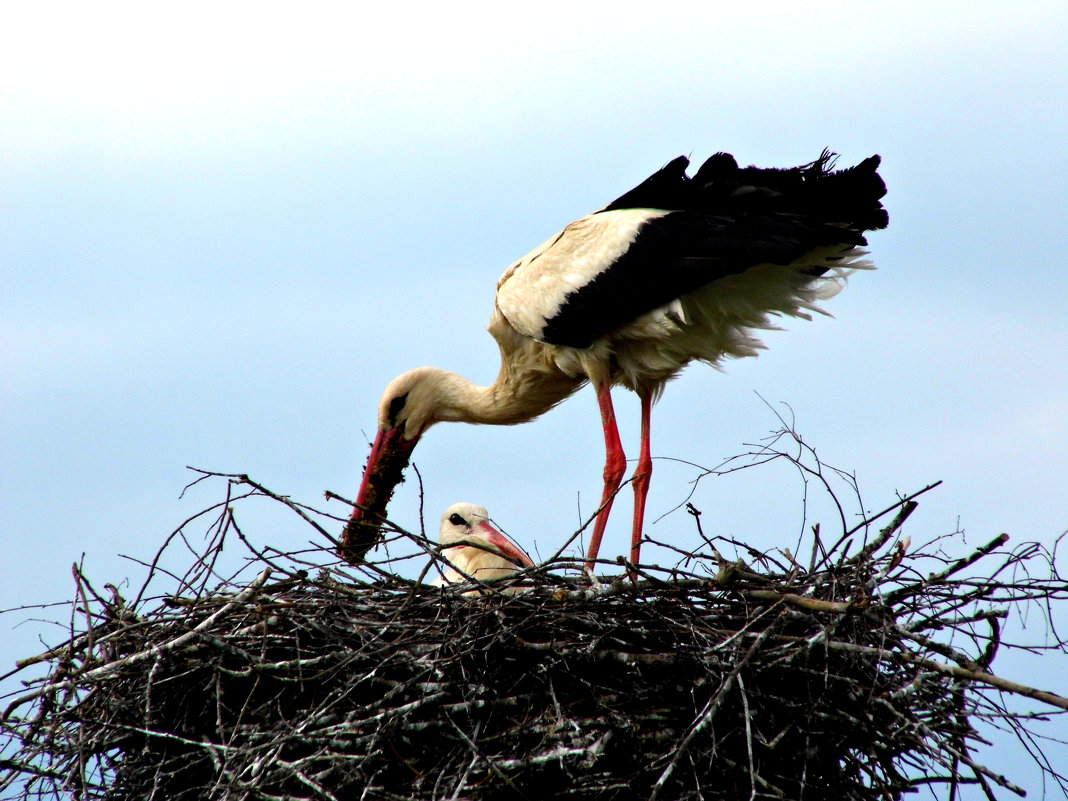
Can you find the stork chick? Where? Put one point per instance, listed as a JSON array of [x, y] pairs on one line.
[[474, 548]]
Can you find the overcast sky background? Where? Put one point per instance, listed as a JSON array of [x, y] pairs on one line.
[[223, 229]]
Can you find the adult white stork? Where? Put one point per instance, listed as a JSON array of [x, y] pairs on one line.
[[676, 269], [474, 548]]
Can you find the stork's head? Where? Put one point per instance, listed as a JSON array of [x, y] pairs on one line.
[[406, 410], [467, 525]]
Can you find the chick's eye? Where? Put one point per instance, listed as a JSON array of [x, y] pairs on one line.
[[457, 520]]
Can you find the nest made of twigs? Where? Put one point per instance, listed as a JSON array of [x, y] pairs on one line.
[[857, 676]]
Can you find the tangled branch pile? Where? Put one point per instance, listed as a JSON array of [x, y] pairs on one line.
[[861, 675]]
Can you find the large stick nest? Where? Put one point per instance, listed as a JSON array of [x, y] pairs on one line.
[[863, 674]]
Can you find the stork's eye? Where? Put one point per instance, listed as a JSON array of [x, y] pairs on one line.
[[457, 520], [395, 407]]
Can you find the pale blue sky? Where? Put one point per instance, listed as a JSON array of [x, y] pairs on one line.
[[223, 230]]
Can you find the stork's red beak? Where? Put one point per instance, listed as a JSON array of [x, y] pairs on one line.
[[504, 545], [385, 470]]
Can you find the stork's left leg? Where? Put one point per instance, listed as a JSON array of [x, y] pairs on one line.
[[642, 473]]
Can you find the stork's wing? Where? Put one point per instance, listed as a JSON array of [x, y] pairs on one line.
[[606, 269]]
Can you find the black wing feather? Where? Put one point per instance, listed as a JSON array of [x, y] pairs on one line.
[[722, 221]]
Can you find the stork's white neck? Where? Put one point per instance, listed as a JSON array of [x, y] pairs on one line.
[[518, 395], [505, 402]]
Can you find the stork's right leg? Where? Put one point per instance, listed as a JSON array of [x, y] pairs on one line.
[[615, 464]]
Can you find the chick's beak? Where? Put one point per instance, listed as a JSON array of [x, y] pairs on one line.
[[504, 545]]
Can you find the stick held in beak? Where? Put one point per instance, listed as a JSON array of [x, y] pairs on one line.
[[385, 470]]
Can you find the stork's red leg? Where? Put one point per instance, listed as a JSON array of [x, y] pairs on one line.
[[642, 473], [615, 464]]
